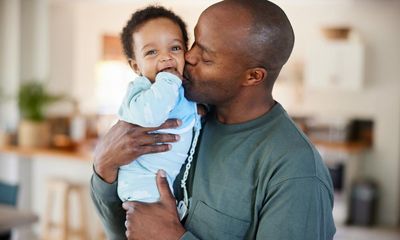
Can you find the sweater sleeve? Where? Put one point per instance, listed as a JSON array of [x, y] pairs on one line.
[[109, 207], [148, 105]]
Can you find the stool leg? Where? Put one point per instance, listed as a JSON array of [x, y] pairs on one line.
[[64, 228], [54, 186], [83, 209], [81, 230], [65, 216], [47, 216]]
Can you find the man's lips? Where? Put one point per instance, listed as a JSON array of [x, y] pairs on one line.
[[186, 77]]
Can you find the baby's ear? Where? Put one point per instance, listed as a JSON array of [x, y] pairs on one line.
[[135, 67]]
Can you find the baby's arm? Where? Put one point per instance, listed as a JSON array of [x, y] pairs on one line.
[[148, 105]]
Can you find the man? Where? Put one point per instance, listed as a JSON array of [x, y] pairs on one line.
[[255, 175]]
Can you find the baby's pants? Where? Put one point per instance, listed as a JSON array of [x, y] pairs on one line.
[[137, 180]]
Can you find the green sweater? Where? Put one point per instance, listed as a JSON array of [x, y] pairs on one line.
[[261, 179]]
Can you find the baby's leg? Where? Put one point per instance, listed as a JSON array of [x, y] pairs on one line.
[[137, 180]]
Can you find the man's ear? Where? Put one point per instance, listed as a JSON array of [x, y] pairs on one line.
[[255, 76], [135, 67]]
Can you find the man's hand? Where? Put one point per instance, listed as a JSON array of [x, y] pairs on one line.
[[154, 220], [125, 142]]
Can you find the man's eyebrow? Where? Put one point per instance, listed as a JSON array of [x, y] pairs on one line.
[[205, 49]]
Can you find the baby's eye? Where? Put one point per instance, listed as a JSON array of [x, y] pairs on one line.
[[151, 52], [176, 48]]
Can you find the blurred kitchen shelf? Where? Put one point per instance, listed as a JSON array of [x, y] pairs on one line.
[[50, 152], [345, 147]]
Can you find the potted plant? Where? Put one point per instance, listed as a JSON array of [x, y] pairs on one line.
[[34, 131]]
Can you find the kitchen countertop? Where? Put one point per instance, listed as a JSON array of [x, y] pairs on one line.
[[51, 152]]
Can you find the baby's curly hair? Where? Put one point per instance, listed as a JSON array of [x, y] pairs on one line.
[[140, 17]]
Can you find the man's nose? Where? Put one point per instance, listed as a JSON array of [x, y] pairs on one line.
[[190, 57]]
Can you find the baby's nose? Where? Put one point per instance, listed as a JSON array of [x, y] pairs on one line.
[[165, 57], [167, 63]]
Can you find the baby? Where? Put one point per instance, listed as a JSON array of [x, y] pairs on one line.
[[155, 41]]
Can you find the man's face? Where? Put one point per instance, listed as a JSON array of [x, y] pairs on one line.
[[158, 45], [214, 66]]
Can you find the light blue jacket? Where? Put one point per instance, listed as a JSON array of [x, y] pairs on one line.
[[150, 105]]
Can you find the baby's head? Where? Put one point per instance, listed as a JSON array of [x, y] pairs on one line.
[[155, 39]]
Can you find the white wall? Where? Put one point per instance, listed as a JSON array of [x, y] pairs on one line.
[[377, 23], [9, 60], [34, 40], [61, 47]]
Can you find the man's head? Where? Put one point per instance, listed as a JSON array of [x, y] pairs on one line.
[[154, 39], [238, 44]]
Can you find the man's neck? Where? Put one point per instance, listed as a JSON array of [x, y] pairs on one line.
[[243, 111]]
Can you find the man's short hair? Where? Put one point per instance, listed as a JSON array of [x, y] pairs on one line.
[[271, 37]]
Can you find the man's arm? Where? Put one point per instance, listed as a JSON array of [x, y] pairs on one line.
[[123, 143], [108, 206], [298, 208]]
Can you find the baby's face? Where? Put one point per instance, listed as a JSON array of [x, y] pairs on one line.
[[158, 45]]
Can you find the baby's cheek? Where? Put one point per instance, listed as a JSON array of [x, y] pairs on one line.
[[181, 65]]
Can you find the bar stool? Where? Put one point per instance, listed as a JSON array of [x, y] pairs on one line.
[[63, 227]]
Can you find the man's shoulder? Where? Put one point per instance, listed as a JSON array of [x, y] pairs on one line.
[[289, 154]]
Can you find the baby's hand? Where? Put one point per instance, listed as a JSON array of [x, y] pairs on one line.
[[173, 71]]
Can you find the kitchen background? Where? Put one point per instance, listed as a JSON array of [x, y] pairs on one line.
[[341, 86]]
